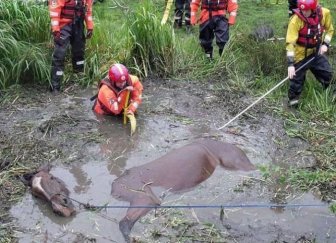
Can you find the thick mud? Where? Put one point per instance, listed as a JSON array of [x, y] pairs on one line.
[[89, 152]]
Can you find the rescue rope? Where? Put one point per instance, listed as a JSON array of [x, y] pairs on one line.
[[166, 12], [264, 95], [221, 206], [126, 107], [131, 118]]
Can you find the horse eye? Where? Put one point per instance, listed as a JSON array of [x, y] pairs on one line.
[[58, 213], [65, 201]]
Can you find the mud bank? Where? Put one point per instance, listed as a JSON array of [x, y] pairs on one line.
[[89, 152]]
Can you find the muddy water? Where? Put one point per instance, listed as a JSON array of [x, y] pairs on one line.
[[250, 224], [163, 124]]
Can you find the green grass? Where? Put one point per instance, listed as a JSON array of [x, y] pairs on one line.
[[151, 44], [24, 39]]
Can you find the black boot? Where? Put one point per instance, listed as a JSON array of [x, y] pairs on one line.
[[294, 103], [209, 56], [188, 29], [56, 79], [178, 18], [293, 100], [54, 88]]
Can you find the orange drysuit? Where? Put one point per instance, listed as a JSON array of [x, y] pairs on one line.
[[111, 100], [62, 12], [215, 8]]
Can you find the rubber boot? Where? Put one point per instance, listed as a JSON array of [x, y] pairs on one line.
[[56, 79], [209, 56], [188, 29]]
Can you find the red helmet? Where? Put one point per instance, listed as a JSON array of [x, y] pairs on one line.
[[307, 4], [118, 73]]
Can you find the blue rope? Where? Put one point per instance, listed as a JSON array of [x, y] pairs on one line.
[[214, 206], [89, 206]]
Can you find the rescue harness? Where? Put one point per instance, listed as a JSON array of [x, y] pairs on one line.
[[310, 35], [215, 5], [106, 81], [73, 9]]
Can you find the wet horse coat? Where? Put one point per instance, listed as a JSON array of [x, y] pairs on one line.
[[51, 189], [178, 170]]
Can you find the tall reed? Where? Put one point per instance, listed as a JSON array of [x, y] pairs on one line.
[[24, 36], [152, 44]]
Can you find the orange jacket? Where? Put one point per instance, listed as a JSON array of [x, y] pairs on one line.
[[112, 102], [57, 8], [232, 7]]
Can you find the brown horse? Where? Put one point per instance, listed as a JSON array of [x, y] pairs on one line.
[[178, 170], [51, 189]]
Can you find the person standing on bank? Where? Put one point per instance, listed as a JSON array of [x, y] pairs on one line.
[[309, 34], [67, 23], [213, 22]]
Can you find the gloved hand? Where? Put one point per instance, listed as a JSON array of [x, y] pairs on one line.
[[130, 88], [323, 49], [291, 72], [58, 39], [130, 113], [57, 36], [89, 33], [132, 120]]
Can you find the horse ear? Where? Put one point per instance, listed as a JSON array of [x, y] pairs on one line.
[[45, 168]]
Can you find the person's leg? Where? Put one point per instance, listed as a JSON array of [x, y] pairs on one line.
[[296, 84], [78, 46], [206, 36], [322, 70], [323, 73], [187, 13], [58, 57], [221, 32], [178, 13]]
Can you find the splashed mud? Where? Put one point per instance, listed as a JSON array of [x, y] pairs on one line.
[[89, 152]]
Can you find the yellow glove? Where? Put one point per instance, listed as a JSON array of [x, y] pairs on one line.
[[132, 120]]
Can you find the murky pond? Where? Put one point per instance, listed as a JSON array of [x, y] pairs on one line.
[[100, 149]]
